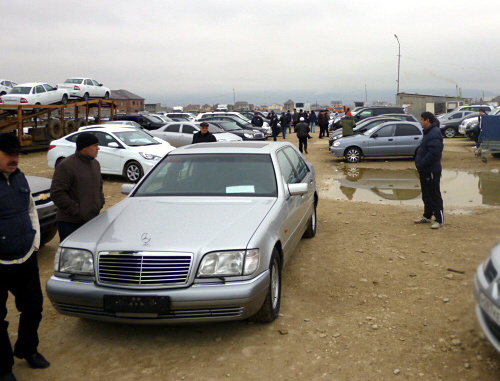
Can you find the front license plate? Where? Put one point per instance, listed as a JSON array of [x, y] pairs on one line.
[[488, 307], [140, 304]]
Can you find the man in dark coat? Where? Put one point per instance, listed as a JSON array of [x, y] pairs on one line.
[[204, 136], [257, 120], [302, 130], [428, 163], [77, 186], [19, 273]]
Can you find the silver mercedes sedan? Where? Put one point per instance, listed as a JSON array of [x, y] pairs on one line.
[[202, 238]]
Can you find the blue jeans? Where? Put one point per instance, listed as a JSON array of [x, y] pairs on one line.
[[283, 131], [312, 126]]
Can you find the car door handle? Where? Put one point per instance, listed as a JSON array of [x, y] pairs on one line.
[[390, 140]]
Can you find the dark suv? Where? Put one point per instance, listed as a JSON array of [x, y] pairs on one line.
[[146, 121]]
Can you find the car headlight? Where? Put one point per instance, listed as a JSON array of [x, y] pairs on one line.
[[229, 263], [249, 136], [149, 156], [336, 144], [74, 261]]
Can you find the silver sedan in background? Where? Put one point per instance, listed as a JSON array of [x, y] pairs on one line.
[[398, 138], [202, 238], [179, 134]]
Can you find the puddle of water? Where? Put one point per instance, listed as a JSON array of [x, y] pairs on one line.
[[460, 189]]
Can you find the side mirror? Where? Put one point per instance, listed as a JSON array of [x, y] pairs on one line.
[[298, 189], [374, 136], [127, 188], [113, 145]]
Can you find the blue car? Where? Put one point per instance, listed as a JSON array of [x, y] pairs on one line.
[[395, 138]]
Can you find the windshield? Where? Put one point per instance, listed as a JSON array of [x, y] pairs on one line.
[[369, 132], [136, 138], [211, 175], [20, 90], [228, 126], [74, 80]]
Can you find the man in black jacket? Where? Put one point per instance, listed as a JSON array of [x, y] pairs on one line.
[[203, 136], [77, 187], [428, 163], [19, 274]]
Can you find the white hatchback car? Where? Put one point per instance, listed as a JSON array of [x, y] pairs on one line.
[[124, 151], [34, 94], [6, 86], [85, 88]]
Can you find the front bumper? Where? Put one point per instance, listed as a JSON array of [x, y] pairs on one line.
[[196, 304], [487, 312]]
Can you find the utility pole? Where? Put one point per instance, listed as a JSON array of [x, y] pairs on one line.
[[399, 59]]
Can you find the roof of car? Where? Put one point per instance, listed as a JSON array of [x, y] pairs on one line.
[[243, 147], [31, 84], [108, 127]]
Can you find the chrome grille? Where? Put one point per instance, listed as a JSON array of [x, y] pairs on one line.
[[144, 269]]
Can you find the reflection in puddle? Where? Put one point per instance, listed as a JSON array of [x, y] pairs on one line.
[[459, 188]]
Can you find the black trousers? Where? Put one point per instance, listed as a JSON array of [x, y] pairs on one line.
[[431, 195], [66, 228], [23, 281], [303, 144]]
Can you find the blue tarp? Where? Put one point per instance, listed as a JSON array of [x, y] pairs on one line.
[[490, 128]]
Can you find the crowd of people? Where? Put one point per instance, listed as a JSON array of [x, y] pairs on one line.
[[287, 122]]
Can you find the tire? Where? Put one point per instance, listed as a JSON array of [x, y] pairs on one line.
[[64, 99], [271, 307], [56, 129], [81, 123], [36, 109], [450, 132], [106, 96], [86, 97], [133, 171], [353, 155], [70, 126], [312, 224]]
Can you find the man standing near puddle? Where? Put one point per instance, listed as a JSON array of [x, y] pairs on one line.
[[428, 163]]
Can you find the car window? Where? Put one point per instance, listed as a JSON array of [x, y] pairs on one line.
[[48, 87], [20, 90], [88, 82], [287, 169], [95, 83], [73, 80], [104, 138], [407, 130], [188, 129], [173, 128], [211, 175], [365, 113], [136, 138], [39, 89], [386, 131], [298, 163]]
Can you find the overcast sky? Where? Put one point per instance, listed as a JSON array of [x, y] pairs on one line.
[[213, 51]]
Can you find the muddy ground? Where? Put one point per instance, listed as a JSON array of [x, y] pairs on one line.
[[371, 297]]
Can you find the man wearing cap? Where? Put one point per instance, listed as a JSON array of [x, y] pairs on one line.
[[203, 136], [19, 274], [302, 129], [77, 187]]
